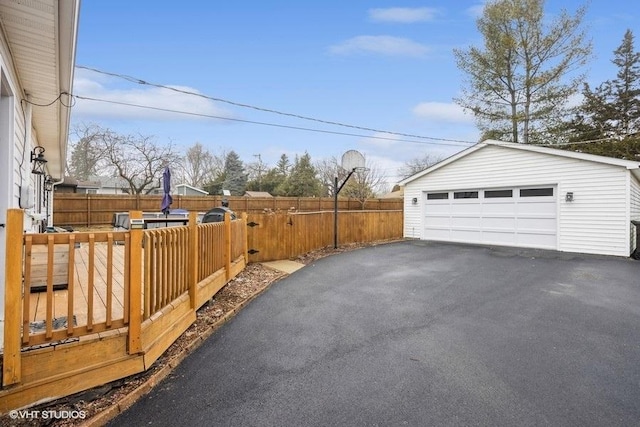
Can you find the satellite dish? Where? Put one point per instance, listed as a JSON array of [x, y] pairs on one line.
[[352, 159]]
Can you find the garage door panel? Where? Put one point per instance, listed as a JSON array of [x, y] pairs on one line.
[[531, 224], [540, 208], [503, 209], [499, 223], [499, 238], [439, 221], [465, 221], [535, 240], [514, 221], [439, 208], [437, 234], [466, 209], [466, 235]]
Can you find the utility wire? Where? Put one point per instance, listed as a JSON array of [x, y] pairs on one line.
[[454, 143], [444, 141], [267, 110]]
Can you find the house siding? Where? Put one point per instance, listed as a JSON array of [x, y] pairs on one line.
[[595, 222], [17, 143], [634, 211]]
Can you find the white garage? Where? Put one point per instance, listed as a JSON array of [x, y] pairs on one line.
[[520, 195]]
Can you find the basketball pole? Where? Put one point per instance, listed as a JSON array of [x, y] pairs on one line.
[[335, 206]]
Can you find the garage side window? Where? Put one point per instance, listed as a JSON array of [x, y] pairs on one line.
[[465, 195], [437, 196], [536, 192], [494, 194]]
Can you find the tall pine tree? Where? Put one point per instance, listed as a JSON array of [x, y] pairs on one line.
[[612, 110], [235, 176]]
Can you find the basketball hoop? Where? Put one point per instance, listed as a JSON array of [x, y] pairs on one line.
[[352, 161]]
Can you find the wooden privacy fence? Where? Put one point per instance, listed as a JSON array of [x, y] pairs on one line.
[[70, 209], [286, 235], [83, 309]]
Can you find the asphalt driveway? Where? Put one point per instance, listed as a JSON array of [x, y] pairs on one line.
[[417, 333]]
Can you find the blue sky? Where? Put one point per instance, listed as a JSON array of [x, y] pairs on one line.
[[381, 65]]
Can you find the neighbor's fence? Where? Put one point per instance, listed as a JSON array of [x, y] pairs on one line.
[[286, 235], [88, 210]]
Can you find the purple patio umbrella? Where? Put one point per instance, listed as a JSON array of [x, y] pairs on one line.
[[166, 186]]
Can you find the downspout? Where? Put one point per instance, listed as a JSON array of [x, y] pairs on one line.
[[50, 207]]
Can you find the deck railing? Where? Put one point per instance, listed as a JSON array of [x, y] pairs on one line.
[[211, 257], [74, 284], [166, 267], [136, 289]]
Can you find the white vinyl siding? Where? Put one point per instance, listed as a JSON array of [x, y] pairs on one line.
[[596, 220], [635, 211], [412, 213]]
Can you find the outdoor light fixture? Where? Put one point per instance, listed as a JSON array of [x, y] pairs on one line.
[[38, 160], [414, 201], [568, 197], [48, 183]]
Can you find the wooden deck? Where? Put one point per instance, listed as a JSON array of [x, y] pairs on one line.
[[100, 298]]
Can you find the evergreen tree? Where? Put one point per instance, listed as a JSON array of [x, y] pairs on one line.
[[626, 88], [283, 166], [235, 177], [302, 181], [611, 110]]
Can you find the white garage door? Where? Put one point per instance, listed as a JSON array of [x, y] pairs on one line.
[[525, 217]]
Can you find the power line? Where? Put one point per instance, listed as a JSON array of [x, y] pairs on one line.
[[454, 143], [267, 110]]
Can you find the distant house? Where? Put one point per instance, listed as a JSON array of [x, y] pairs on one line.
[[88, 187], [257, 194], [188, 190], [397, 193], [110, 185], [68, 185]]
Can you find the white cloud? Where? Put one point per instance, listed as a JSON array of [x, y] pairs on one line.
[[383, 45], [476, 10], [403, 15], [112, 100], [442, 111]]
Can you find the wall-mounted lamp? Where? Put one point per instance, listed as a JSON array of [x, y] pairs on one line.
[[414, 201], [38, 160], [48, 183], [568, 197]]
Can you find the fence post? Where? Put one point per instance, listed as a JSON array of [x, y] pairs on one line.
[[193, 257], [11, 364], [227, 245], [135, 285], [245, 242]]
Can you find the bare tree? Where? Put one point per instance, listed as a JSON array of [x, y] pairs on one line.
[[256, 171], [418, 164], [199, 166], [86, 154], [327, 170], [365, 184], [139, 160]]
